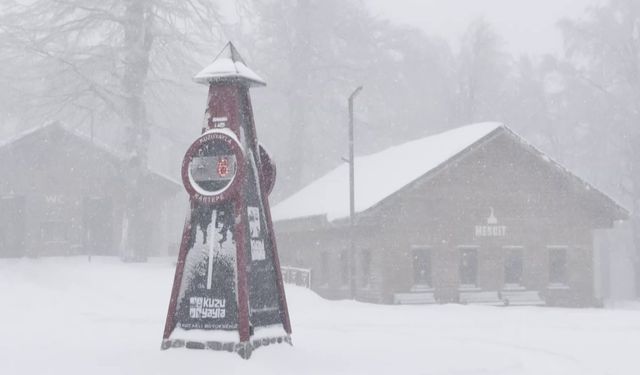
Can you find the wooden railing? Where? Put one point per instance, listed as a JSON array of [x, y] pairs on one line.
[[297, 276]]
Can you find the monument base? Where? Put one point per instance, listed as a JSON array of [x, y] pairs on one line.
[[244, 349]]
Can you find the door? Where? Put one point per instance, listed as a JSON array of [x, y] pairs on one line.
[[12, 226], [98, 226]]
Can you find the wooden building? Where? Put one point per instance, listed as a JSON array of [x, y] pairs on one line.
[[61, 193], [471, 215]]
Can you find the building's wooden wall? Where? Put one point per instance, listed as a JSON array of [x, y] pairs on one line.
[[55, 175]]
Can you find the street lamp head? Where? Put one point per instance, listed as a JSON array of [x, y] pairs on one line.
[[355, 93]]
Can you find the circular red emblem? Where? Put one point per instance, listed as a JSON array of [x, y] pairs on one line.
[[213, 166], [223, 167]]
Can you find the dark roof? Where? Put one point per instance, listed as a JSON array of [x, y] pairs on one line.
[[44, 133]]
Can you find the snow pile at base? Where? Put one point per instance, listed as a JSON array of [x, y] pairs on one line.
[[379, 175], [67, 316], [225, 336]]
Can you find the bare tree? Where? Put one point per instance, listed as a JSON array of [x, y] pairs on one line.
[[481, 73], [605, 49], [106, 60], [313, 54]]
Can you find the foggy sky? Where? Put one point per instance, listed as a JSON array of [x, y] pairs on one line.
[[527, 27]]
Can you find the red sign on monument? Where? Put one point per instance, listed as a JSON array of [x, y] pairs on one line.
[[223, 167]]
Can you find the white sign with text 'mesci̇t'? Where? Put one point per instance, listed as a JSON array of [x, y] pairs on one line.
[[492, 228]]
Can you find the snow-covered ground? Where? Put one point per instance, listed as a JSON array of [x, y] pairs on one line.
[[67, 316]]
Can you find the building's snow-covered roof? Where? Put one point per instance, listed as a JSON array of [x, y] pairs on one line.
[[93, 143], [228, 65], [58, 125], [379, 175]]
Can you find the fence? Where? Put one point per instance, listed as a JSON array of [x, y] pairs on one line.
[[297, 276]]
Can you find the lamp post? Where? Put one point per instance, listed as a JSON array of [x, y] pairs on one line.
[[352, 240]]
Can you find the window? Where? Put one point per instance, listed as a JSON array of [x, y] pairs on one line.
[[557, 265], [365, 275], [344, 268], [53, 231], [421, 257], [513, 265], [468, 266]]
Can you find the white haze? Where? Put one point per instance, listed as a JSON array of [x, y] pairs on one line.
[[563, 74], [528, 27]]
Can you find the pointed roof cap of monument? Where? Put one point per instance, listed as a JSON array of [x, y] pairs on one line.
[[228, 66]]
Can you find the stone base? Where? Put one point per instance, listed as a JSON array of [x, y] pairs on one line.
[[244, 349]]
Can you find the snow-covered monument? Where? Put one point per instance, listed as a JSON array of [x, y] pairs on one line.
[[471, 215], [228, 292], [63, 193]]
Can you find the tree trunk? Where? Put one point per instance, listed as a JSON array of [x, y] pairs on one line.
[[298, 101], [634, 162], [137, 43]]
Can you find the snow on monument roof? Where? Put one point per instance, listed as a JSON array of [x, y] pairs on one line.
[[228, 65], [379, 175]]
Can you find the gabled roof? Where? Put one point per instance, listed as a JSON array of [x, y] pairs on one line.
[[228, 66], [44, 131], [381, 175], [58, 126]]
